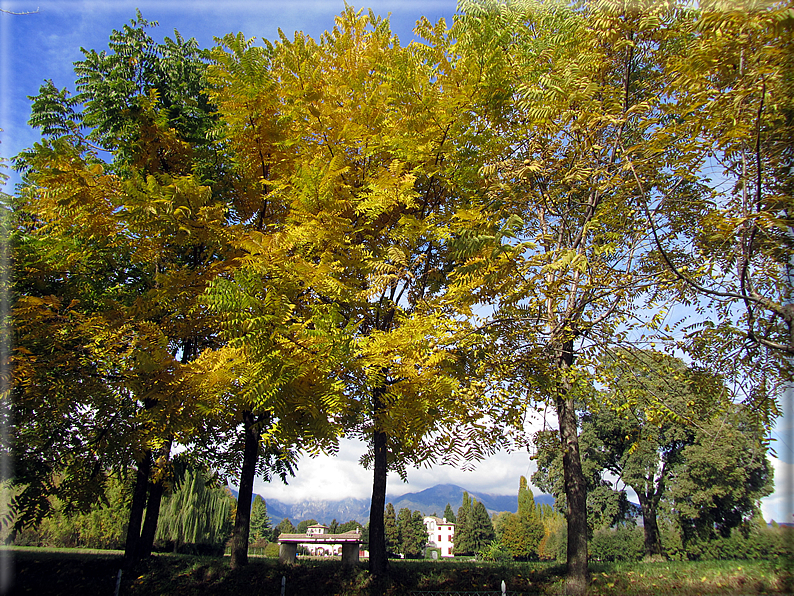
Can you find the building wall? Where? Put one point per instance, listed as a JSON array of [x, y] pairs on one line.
[[440, 534]]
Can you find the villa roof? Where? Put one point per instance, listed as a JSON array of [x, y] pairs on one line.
[[321, 538], [439, 521]]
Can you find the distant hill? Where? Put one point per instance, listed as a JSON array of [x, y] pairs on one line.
[[428, 501]]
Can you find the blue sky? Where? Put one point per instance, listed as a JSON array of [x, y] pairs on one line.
[[44, 45]]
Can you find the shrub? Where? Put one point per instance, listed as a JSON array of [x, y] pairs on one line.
[[753, 541], [271, 550], [494, 552], [624, 543]]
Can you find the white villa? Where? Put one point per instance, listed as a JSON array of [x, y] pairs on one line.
[[321, 549], [440, 534], [318, 542]]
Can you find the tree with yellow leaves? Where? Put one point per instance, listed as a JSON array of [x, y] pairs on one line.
[[354, 143]]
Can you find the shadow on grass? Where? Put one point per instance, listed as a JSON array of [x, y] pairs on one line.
[[47, 572]]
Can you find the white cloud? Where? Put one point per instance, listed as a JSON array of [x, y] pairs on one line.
[[780, 504], [339, 477], [324, 477]]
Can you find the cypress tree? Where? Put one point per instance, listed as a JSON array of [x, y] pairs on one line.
[[463, 544], [390, 525], [403, 530], [448, 514], [260, 522], [481, 532]]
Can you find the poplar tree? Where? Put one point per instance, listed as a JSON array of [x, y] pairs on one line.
[[530, 517], [523, 531]]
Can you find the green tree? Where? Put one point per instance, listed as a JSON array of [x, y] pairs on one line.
[[196, 515], [463, 542], [260, 522], [404, 531], [448, 514], [530, 518], [642, 448], [499, 520], [350, 526], [417, 541], [522, 532], [725, 474], [648, 451], [391, 530], [148, 216], [481, 529], [283, 527], [102, 526], [412, 533], [304, 525]]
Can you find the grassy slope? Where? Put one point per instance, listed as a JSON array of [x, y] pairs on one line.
[[45, 572]]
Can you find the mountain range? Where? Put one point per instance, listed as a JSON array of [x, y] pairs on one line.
[[430, 501]]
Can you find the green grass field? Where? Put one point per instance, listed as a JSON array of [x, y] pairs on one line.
[[44, 572]]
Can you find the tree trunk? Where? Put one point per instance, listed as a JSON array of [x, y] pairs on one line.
[[242, 521], [653, 540], [132, 545], [575, 486], [149, 530], [378, 561]]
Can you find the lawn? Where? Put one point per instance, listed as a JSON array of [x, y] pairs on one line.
[[45, 572]]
